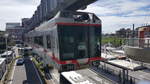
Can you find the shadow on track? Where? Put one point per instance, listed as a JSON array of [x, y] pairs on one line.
[[32, 77]]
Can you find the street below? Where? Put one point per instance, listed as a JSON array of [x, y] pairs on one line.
[[26, 73]]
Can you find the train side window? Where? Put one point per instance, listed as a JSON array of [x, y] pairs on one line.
[[38, 40], [48, 41], [35, 40]]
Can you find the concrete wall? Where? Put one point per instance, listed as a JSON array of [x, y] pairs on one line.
[[139, 54]]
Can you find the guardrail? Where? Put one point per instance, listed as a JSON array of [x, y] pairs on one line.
[[122, 78], [138, 42]]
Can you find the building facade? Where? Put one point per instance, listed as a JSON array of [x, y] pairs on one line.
[[15, 31], [127, 33], [144, 32], [2, 42]]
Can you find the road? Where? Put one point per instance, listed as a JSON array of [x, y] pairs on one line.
[[26, 74]]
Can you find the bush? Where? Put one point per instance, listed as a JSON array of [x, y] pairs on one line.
[[38, 64], [17, 57], [116, 42]]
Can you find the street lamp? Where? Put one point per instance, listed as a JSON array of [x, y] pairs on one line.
[[6, 36]]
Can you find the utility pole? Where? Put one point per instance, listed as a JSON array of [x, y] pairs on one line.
[[133, 32], [6, 36], [133, 35]]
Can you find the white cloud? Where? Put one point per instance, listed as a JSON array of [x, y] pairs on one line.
[[13, 11], [116, 6], [99, 10], [113, 23], [18, 2], [129, 6], [139, 13], [112, 12], [116, 14]]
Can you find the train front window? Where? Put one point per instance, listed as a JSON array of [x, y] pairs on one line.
[[73, 42], [77, 42]]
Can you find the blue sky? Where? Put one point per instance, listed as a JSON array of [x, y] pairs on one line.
[[115, 14]]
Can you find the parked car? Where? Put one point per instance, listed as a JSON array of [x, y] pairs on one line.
[[20, 61], [9, 55], [19, 45], [2, 67]]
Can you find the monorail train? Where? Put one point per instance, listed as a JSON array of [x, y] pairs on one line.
[[69, 41]]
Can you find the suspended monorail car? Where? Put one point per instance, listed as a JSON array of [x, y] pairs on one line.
[[69, 41]]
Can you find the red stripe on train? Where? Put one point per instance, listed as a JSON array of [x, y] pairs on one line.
[[74, 61], [95, 58], [58, 61], [76, 24]]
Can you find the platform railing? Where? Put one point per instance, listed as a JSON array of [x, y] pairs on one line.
[[138, 42]]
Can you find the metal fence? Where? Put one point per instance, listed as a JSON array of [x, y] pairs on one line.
[[138, 42], [118, 74]]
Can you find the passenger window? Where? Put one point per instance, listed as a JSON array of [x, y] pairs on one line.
[[38, 40], [48, 41]]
